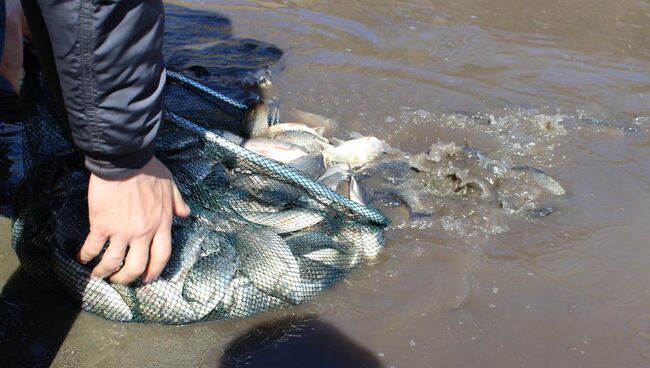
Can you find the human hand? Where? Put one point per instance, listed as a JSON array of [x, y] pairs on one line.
[[134, 213]]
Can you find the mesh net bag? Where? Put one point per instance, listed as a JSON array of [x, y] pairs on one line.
[[261, 235]]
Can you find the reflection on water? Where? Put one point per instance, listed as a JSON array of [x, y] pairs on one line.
[[559, 85]]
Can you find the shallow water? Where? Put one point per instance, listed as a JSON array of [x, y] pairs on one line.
[[567, 87]]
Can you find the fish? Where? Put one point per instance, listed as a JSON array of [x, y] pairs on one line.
[[320, 247], [217, 242], [408, 196], [318, 274], [187, 242], [357, 193], [542, 179], [97, 295], [311, 165], [243, 299], [162, 301], [311, 143], [367, 239], [235, 138], [317, 122], [207, 281], [217, 178], [268, 190], [285, 221], [330, 257], [540, 212], [241, 201], [267, 261], [256, 119], [334, 175], [355, 152], [275, 150], [273, 131]]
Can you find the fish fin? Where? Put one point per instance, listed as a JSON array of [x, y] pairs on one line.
[[357, 192], [311, 165], [332, 181]]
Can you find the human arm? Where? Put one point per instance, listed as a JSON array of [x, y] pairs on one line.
[[104, 61]]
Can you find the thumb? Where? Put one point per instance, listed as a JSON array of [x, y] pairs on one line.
[[181, 209]]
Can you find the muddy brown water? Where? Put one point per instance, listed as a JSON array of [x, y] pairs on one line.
[[567, 87]]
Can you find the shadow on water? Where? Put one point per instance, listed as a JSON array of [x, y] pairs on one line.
[[301, 342], [32, 327]]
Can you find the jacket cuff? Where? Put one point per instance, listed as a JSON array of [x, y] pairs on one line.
[[120, 167]]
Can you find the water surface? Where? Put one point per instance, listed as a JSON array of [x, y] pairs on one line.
[[570, 289]]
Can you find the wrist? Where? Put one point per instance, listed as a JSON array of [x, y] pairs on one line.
[[122, 167]]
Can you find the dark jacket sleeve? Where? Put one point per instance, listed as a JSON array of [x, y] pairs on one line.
[[107, 55]]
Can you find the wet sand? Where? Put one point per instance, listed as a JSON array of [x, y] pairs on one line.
[[570, 289]]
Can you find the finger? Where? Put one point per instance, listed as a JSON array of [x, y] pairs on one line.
[[180, 208], [92, 247], [112, 258], [161, 250], [135, 263]]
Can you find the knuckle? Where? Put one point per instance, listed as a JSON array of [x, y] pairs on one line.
[[138, 269], [112, 258], [131, 275]]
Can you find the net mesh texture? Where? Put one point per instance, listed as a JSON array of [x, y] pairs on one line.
[[261, 235]]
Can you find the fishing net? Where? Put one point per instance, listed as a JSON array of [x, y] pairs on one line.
[[261, 235]]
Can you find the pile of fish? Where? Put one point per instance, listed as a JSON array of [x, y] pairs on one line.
[[393, 178], [253, 242]]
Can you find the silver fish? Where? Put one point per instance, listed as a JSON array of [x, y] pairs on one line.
[[311, 165], [408, 196], [319, 275], [334, 175], [307, 242], [312, 143], [275, 150], [285, 221], [368, 240], [330, 257], [542, 179], [267, 261], [243, 299], [275, 130], [217, 242], [357, 192], [217, 178], [320, 247], [162, 301], [97, 296], [186, 250], [207, 281], [356, 152], [268, 190], [256, 119], [235, 138], [319, 123]]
